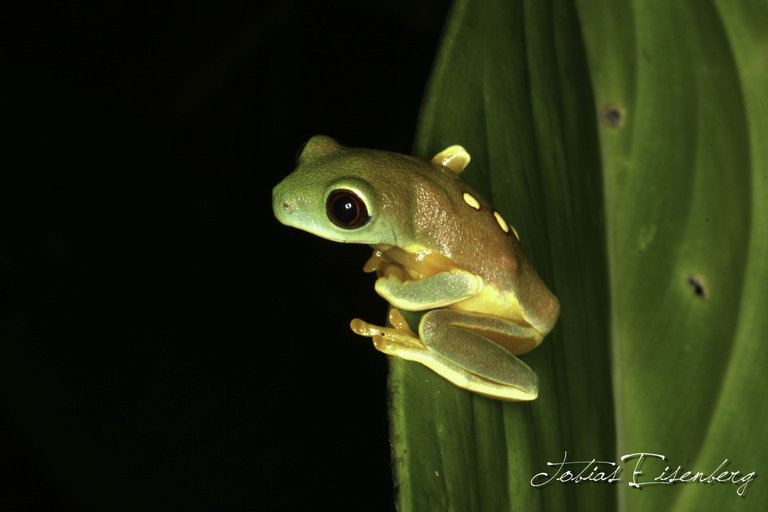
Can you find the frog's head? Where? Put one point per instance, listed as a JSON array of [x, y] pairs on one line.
[[339, 193]]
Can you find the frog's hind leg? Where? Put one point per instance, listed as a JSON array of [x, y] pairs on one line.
[[471, 360], [448, 346]]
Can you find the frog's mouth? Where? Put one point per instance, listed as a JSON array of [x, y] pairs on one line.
[[407, 265]]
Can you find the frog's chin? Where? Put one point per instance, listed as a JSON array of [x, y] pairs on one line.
[[312, 228]]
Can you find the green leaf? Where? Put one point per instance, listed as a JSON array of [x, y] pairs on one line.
[[686, 202], [626, 141]]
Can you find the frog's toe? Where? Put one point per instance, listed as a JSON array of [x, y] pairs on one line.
[[399, 341]]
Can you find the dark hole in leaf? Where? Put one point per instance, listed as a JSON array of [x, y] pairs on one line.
[[613, 116], [697, 284]]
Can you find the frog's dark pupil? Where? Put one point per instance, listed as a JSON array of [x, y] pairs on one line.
[[346, 209]]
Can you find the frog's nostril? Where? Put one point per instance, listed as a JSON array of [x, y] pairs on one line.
[[286, 205]]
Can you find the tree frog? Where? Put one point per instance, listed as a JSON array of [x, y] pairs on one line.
[[439, 247]]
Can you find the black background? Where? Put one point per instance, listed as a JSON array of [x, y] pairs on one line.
[[165, 343]]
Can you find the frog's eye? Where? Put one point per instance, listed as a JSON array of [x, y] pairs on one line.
[[346, 209]]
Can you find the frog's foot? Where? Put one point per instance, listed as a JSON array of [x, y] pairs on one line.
[[398, 340]]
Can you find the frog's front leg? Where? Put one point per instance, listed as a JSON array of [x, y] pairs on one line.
[[451, 344], [435, 291]]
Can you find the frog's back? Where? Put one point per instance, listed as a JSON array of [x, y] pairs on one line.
[[429, 207], [455, 221]]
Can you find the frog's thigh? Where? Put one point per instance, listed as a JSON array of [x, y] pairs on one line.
[[514, 337], [435, 291], [473, 361]]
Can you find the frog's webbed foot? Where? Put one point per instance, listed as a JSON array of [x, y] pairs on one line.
[[398, 340]]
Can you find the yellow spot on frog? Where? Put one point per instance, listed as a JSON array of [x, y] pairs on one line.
[[471, 201], [502, 223]]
